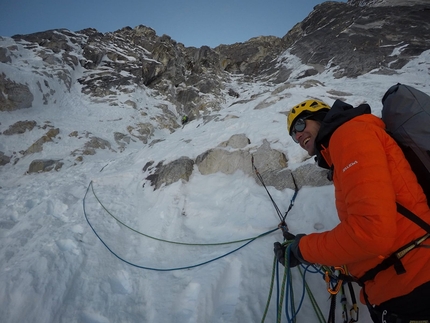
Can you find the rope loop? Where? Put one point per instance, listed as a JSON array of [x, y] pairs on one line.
[[248, 241]]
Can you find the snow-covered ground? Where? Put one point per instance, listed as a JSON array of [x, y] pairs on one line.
[[53, 267]]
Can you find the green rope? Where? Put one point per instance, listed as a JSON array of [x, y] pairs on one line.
[[293, 307], [272, 282], [287, 271], [169, 241], [314, 303], [287, 275]]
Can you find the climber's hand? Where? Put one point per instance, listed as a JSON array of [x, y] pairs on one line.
[[279, 251]]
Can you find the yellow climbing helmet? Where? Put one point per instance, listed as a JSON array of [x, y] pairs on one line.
[[305, 108]]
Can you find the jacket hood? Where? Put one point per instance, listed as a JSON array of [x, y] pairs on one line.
[[339, 113]]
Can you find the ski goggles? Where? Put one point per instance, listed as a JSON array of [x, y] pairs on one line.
[[298, 126]]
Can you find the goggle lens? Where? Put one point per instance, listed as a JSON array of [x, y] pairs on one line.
[[299, 126]]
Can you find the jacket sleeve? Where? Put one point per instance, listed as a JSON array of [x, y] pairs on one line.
[[365, 199]]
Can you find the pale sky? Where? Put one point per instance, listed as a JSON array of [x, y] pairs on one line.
[[191, 22]]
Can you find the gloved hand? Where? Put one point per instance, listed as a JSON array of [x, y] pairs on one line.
[[295, 256]]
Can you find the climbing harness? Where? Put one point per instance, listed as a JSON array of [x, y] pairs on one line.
[[393, 260]]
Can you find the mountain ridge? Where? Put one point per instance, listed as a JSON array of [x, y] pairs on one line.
[[110, 69]]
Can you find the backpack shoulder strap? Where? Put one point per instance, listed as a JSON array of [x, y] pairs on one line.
[[411, 216]]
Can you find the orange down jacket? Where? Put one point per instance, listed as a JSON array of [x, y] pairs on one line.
[[370, 174]]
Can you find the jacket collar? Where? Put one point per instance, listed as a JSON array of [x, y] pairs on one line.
[[339, 113]]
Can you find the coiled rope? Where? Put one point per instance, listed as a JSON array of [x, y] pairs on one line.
[[164, 240]]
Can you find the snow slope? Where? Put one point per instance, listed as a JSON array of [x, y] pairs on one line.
[[55, 269]]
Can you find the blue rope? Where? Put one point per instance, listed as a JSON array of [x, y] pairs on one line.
[[163, 269], [303, 293], [289, 298]]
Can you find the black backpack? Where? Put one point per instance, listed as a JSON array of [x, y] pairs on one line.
[[406, 113]]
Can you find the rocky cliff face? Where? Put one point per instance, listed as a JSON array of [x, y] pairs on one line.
[[347, 39], [357, 37], [385, 3], [351, 38]]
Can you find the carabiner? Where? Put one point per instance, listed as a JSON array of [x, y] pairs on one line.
[[351, 313], [336, 289]]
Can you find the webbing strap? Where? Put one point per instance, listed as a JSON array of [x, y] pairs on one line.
[[394, 259], [411, 216]]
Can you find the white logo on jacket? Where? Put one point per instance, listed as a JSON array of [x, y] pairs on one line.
[[350, 165]]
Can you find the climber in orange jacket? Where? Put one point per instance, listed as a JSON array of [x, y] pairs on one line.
[[370, 174]]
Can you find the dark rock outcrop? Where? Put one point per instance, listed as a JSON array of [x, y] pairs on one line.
[[44, 165], [20, 127], [180, 169], [38, 145], [4, 159], [14, 96]]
